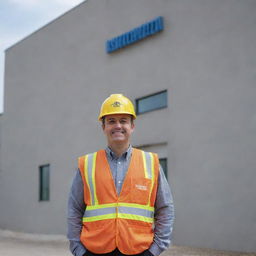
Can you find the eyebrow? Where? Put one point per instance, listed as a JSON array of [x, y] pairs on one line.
[[113, 119]]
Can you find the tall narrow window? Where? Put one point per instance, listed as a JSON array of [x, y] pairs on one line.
[[151, 102], [44, 182], [163, 162]]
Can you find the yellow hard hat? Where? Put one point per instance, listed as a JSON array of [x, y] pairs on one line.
[[117, 104]]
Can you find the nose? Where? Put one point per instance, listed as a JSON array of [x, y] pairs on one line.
[[117, 125]]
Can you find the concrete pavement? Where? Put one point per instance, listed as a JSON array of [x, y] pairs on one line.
[[21, 244]]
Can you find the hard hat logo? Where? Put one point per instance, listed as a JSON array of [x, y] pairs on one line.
[[116, 104]]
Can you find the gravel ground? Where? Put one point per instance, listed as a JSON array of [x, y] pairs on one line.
[[20, 244]]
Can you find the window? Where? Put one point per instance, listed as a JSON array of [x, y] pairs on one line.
[[151, 102], [163, 162], [44, 182]]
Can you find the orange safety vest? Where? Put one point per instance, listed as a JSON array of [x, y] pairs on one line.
[[125, 221]]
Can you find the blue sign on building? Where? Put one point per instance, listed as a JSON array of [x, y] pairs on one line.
[[150, 28]]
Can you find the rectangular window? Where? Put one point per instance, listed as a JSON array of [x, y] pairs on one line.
[[151, 102], [163, 163], [44, 182]]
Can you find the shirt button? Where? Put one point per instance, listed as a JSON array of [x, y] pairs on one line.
[[119, 182], [119, 162]]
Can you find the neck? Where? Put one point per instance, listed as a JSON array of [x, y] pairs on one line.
[[119, 149]]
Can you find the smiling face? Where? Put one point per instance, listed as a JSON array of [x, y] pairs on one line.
[[118, 129]]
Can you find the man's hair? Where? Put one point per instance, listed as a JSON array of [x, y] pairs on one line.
[[104, 117]]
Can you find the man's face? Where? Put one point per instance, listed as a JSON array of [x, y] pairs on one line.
[[118, 128]]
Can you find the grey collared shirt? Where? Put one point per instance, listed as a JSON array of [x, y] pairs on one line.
[[164, 209]]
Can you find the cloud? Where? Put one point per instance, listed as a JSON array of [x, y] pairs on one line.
[[44, 3], [25, 3], [67, 2]]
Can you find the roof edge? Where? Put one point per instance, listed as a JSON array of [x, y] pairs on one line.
[[42, 27]]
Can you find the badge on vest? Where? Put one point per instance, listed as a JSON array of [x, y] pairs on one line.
[[141, 187]]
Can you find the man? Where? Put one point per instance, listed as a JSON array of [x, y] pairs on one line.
[[120, 202]]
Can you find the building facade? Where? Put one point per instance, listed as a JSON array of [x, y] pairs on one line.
[[193, 83]]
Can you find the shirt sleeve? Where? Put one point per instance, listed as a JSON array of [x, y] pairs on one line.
[[164, 216], [76, 208]]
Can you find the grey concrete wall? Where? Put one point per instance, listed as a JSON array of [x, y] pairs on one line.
[[57, 78], [1, 164], [0, 146]]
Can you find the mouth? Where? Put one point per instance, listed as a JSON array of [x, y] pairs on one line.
[[117, 132]]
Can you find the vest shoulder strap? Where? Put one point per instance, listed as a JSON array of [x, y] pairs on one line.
[[87, 165]]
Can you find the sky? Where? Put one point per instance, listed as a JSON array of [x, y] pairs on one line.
[[19, 18]]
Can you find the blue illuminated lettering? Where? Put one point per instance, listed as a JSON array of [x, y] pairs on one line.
[[126, 39], [139, 33]]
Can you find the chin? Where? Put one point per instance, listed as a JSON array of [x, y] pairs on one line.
[[118, 140]]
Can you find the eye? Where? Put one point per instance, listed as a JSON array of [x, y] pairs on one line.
[[111, 121]]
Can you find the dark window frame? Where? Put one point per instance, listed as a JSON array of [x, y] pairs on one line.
[[148, 96], [42, 185], [164, 170]]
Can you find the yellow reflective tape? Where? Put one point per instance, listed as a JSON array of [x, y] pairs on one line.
[[93, 178], [145, 207], [144, 164], [152, 176], [86, 176], [100, 206], [134, 217], [153, 169], [152, 165], [100, 217]]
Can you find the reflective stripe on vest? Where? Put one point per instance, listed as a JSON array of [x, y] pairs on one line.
[[148, 162], [89, 173], [119, 210], [95, 211]]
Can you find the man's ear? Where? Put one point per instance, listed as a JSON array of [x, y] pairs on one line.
[[103, 126], [132, 125]]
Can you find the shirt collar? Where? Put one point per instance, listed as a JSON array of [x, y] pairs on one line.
[[125, 155]]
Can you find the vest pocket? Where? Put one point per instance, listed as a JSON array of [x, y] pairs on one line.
[[99, 236], [140, 190], [142, 238]]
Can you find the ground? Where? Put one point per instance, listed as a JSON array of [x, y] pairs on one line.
[[20, 244]]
